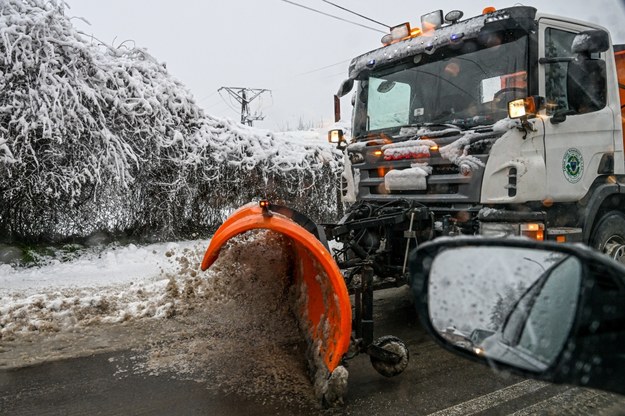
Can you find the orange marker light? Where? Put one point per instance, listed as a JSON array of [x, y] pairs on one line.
[[434, 148], [561, 239], [532, 227], [533, 231], [378, 153], [489, 9]]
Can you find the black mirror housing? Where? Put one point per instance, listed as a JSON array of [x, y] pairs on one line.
[[345, 87], [586, 85], [593, 353], [591, 41]]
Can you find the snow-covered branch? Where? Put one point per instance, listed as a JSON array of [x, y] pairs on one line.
[[94, 137]]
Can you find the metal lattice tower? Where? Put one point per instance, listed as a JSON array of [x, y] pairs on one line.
[[245, 96]]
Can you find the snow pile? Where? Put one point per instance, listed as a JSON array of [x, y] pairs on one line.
[[582, 43], [457, 153], [232, 325], [100, 138], [410, 149], [242, 333], [410, 179], [97, 287]]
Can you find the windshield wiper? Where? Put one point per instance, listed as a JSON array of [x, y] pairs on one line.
[[436, 126], [446, 125]]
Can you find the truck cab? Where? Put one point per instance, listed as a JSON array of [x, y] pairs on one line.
[[506, 123]]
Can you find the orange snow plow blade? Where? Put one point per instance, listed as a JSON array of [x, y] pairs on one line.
[[328, 309]]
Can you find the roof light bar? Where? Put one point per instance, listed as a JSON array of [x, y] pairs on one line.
[[432, 21], [497, 17], [398, 33], [453, 16]]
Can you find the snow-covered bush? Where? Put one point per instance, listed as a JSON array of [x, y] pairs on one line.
[[100, 138]]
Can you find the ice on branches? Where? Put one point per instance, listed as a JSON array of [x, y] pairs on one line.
[[96, 137]]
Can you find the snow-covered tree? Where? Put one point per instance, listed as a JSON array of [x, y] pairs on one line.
[[100, 138]]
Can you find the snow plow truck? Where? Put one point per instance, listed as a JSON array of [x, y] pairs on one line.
[[506, 123]]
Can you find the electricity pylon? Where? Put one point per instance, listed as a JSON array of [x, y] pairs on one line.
[[245, 96]]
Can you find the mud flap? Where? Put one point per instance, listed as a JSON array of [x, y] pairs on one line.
[[325, 306]]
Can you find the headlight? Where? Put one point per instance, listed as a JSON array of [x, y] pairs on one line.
[[498, 229]]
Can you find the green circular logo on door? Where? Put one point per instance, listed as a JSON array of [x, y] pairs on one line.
[[573, 165]]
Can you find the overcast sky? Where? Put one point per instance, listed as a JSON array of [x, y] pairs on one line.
[[301, 56]]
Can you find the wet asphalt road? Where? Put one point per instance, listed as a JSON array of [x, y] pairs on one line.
[[435, 382]]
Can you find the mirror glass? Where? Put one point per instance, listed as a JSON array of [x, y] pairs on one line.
[[513, 305]]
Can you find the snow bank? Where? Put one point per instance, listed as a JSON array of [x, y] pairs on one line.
[[109, 285], [232, 325], [94, 137]]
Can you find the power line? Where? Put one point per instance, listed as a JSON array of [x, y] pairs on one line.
[[228, 104], [332, 16], [322, 68], [215, 105], [357, 14], [206, 97]]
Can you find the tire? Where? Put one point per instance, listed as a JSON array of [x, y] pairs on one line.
[[608, 236], [393, 344]]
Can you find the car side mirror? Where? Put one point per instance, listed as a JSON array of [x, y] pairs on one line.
[[542, 310]]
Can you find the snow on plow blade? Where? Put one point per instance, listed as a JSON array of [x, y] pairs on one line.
[[326, 307]]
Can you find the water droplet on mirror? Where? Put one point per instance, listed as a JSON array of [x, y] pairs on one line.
[[594, 326]]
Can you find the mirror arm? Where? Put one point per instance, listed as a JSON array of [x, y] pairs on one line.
[[560, 116], [555, 60]]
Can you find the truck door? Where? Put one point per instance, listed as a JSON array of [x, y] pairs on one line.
[[574, 147]]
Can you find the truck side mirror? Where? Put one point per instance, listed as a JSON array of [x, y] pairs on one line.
[[586, 84], [586, 77], [337, 109], [345, 87], [591, 41]]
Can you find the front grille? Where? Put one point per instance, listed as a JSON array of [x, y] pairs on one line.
[[445, 170], [446, 182], [446, 189]]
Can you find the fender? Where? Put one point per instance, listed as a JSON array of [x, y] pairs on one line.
[[596, 197]]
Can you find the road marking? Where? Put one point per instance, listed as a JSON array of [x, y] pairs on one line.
[[572, 398], [495, 398]]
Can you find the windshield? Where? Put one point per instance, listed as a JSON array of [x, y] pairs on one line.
[[467, 84]]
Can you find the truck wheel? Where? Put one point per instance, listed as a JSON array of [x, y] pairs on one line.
[[609, 236], [395, 345]]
